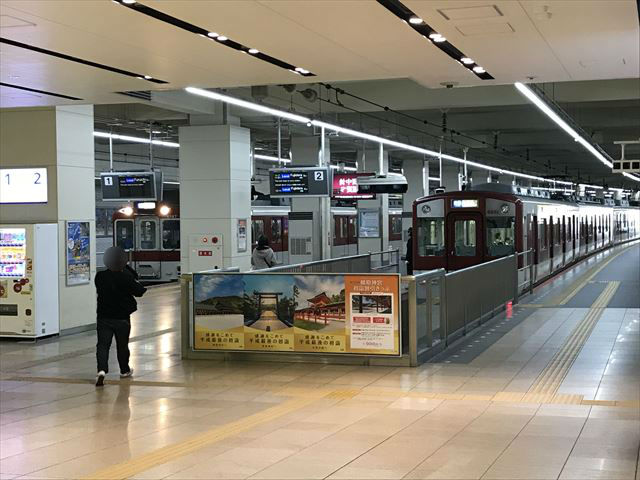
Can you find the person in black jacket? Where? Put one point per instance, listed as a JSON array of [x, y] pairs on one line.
[[409, 255], [117, 286]]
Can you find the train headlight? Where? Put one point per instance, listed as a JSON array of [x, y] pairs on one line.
[[128, 211], [164, 210]]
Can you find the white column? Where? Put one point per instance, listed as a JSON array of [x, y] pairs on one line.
[[381, 203], [215, 188], [413, 171], [61, 139]]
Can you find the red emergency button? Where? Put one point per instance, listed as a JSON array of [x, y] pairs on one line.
[[214, 239]]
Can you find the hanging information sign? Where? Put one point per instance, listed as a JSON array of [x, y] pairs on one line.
[[300, 182]]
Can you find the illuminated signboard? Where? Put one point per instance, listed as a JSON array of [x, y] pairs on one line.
[[464, 203], [23, 185], [117, 186], [299, 182], [345, 185]]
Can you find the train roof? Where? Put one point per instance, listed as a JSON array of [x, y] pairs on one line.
[[504, 191]]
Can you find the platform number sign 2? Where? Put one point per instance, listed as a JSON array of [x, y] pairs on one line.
[[23, 185], [318, 176]]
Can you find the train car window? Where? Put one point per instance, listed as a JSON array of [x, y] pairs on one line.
[[465, 238], [171, 234], [124, 234], [431, 237], [501, 232], [148, 235], [276, 230]]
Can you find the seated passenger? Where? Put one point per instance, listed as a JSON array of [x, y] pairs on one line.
[[498, 239]]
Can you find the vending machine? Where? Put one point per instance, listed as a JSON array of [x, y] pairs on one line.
[[29, 280]]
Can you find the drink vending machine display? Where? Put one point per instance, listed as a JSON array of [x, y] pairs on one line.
[[29, 280]]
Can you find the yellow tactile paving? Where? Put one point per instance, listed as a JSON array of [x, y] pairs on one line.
[[554, 373]]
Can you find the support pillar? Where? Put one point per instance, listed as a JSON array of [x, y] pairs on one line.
[[215, 189], [60, 139], [380, 203], [415, 173]]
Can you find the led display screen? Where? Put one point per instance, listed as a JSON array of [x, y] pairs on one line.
[[117, 186], [297, 182]]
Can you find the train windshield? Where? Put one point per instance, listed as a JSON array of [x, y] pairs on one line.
[[148, 235], [500, 236], [430, 237], [465, 238], [171, 234]]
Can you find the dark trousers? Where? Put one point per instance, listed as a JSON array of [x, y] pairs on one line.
[[107, 329]]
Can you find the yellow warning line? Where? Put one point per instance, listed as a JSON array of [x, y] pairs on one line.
[[171, 452], [590, 277], [555, 372]]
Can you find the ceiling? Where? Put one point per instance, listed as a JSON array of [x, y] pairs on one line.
[[339, 40], [587, 52]]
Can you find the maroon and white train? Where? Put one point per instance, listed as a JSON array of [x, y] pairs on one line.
[[455, 230]]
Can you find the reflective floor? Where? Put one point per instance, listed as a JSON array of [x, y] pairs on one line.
[[552, 392]]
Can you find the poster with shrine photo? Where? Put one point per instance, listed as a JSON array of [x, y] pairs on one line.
[[306, 313]]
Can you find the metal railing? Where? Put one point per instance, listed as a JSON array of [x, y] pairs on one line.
[[372, 262]]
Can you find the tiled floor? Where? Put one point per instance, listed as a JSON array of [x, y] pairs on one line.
[[469, 417]]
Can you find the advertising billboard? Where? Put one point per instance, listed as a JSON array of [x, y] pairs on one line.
[[78, 253], [308, 313]]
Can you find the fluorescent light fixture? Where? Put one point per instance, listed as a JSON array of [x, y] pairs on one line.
[[467, 60], [346, 169], [269, 158], [586, 185], [222, 38], [434, 179], [127, 138], [416, 20], [302, 70], [213, 35], [254, 51], [129, 2], [436, 37], [248, 105], [148, 77], [542, 105], [478, 69], [365, 136], [171, 183]]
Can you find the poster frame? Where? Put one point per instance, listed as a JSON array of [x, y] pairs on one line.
[[363, 211], [68, 223], [242, 224], [397, 276]]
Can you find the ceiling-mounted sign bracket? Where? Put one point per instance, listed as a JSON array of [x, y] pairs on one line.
[[625, 164]]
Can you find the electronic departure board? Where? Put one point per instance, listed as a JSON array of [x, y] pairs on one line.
[[117, 186], [300, 182]]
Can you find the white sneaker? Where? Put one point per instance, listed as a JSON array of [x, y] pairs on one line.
[[127, 374], [100, 378]]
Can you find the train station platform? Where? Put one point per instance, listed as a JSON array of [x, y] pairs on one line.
[[549, 390]]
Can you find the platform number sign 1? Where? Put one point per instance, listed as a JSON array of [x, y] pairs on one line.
[[23, 185]]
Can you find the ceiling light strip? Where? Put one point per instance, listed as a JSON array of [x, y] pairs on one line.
[[127, 138], [213, 36], [44, 92], [270, 158], [365, 136], [82, 61], [405, 14]]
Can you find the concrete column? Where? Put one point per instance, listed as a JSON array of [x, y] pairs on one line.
[[305, 151], [380, 203], [450, 177], [416, 178], [60, 139], [215, 189]]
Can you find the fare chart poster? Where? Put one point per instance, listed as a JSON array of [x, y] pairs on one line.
[[78, 253], [309, 313]]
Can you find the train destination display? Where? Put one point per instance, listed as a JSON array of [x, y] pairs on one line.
[[117, 186], [297, 182], [301, 312]]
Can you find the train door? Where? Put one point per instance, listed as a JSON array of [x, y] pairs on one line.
[[464, 240], [170, 254], [352, 240], [340, 237], [148, 255]]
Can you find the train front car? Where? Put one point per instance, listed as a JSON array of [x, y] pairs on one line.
[[456, 230]]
